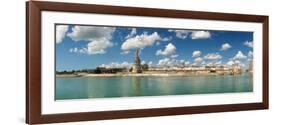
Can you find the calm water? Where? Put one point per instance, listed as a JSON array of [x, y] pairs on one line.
[[97, 87]]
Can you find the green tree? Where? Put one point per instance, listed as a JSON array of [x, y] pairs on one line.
[[144, 67]]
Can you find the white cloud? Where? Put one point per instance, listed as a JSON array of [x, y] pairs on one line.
[[73, 50], [250, 54], [200, 35], [203, 62], [174, 56], [182, 61], [214, 63], [99, 46], [196, 53], [142, 62], [237, 62], [117, 65], [198, 60], [60, 32], [230, 63], [172, 62], [249, 44], [99, 38], [94, 47], [91, 33], [140, 41], [218, 63], [182, 34], [167, 38], [239, 55], [225, 46], [212, 56], [186, 63], [76, 50], [125, 52], [169, 50], [132, 33], [164, 62]]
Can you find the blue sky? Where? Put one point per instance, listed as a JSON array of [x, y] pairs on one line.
[[86, 47]]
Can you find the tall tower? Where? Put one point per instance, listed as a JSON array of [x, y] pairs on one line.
[[137, 66]]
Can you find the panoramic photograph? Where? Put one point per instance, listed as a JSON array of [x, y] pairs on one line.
[[114, 61]]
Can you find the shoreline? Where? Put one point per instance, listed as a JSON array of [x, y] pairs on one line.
[[140, 75]]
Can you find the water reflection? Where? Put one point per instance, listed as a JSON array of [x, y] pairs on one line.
[[136, 86], [96, 87]]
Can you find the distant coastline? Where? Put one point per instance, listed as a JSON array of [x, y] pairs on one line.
[[151, 74]]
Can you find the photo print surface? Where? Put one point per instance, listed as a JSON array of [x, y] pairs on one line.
[[113, 61]]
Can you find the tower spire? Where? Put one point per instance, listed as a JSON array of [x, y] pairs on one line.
[[137, 66]]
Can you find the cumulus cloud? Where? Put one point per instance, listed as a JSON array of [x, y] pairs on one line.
[[182, 63], [117, 65], [198, 60], [60, 32], [99, 46], [99, 38], [91, 33], [132, 33], [230, 62], [125, 52], [182, 34], [225, 46], [200, 35], [94, 47], [218, 63], [164, 62], [196, 53], [250, 54], [172, 62], [214, 63], [73, 50], [174, 56], [186, 63], [169, 50], [239, 55], [239, 63], [203, 62], [167, 38], [236, 61], [78, 50], [140, 41], [212, 56], [249, 44]]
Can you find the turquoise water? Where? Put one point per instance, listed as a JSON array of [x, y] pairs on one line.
[[100, 87]]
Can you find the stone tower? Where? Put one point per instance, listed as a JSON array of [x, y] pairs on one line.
[[137, 64]]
